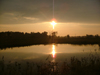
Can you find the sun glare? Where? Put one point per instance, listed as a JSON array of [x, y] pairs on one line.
[[53, 51], [53, 23]]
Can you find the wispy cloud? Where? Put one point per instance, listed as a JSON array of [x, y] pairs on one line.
[[31, 18], [80, 11]]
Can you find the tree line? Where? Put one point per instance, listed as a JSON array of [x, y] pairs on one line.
[[15, 39]]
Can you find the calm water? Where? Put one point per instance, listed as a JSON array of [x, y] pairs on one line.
[[57, 52]]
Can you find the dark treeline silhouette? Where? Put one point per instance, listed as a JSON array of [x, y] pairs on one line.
[[16, 39]]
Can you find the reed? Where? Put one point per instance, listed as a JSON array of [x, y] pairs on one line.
[[84, 66]]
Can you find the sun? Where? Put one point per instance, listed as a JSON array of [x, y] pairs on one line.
[[53, 23]]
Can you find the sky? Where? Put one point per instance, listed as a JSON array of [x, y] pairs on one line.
[[73, 17]]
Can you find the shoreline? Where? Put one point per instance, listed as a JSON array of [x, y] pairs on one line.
[[1, 48], [19, 39]]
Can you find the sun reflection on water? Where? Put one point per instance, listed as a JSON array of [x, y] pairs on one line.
[[53, 51]]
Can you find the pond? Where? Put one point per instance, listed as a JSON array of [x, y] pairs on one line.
[[52, 52]]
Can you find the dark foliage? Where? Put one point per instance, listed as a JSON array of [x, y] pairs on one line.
[[16, 39], [84, 66]]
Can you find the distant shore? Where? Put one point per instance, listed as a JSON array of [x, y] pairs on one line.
[[18, 39]]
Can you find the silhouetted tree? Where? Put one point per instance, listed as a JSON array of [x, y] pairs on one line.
[[44, 33], [68, 36], [97, 36], [12, 39], [54, 34]]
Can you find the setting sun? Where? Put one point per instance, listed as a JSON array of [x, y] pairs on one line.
[[53, 23]]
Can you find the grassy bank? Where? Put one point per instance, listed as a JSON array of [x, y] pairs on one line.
[[84, 66]]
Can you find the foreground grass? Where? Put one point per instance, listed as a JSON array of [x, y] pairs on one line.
[[84, 66]]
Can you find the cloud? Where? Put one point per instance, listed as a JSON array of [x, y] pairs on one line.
[[82, 25], [24, 11], [31, 18]]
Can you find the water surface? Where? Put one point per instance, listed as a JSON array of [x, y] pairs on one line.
[[55, 52]]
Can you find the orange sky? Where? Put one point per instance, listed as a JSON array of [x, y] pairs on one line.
[[63, 29], [74, 17]]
